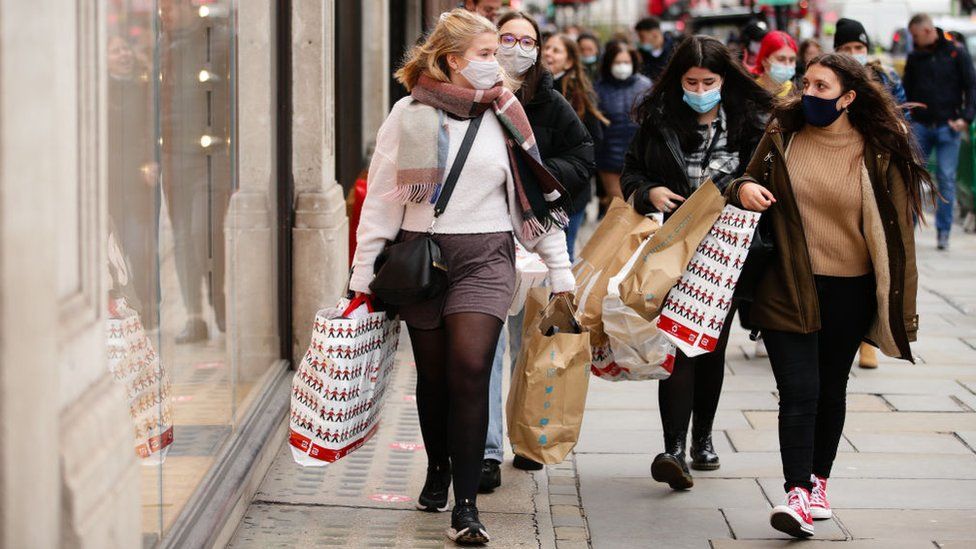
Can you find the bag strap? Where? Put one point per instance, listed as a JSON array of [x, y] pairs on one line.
[[455, 172]]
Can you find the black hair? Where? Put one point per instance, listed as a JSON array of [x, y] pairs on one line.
[[613, 48], [648, 24], [743, 100], [588, 36]]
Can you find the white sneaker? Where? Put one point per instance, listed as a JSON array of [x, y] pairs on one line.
[[819, 508], [793, 517]]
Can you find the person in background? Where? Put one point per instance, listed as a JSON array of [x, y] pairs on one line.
[[589, 47], [843, 201], [562, 56], [852, 39], [776, 63], [489, 9], [939, 75], [619, 89], [655, 47], [750, 41], [702, 121], [809, 49], [573, 31], [455, 80], [566, 149]]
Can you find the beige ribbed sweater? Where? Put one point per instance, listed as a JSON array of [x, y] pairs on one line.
[[825, 167]]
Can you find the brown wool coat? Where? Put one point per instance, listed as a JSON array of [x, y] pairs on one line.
[[786, 299]]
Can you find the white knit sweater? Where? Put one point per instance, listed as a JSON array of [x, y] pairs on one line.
[[483, 200]]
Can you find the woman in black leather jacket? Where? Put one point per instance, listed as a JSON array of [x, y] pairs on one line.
[[702, 121]]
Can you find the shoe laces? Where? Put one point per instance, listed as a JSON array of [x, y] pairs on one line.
[[798, 499], [466, 512], [818, 498]]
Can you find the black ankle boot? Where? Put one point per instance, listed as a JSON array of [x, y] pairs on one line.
[[703, 456], [670, 467]]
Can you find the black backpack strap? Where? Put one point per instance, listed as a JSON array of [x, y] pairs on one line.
[[455, 172]]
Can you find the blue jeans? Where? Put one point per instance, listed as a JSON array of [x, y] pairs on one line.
[[572, 230], [495, 441], [946, 143]]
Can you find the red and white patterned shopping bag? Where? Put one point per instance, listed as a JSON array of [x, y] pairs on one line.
[[134, 364], [695, 309], [338, 391]]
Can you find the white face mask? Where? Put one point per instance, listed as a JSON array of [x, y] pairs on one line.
[[622, 71], [515, 60], [481, 74]]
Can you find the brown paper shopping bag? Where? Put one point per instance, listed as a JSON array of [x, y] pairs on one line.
[[548, 391], [664, 258], [616, 238]]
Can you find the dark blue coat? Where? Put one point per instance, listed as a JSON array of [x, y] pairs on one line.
[[617, 101], [943, 79]]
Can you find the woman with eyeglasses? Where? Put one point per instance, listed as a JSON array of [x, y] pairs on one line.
[[702, 121], [567, 151], [840, 180]]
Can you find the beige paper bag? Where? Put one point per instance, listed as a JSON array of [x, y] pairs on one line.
[[665, 257], [548, 392], [617, 237]]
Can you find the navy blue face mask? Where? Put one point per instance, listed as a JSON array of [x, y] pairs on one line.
[[820, 112]]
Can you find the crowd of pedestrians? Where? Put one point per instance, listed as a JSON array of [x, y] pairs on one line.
[[527, 127]]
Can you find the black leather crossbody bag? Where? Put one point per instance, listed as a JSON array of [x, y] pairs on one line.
[[415, 271]]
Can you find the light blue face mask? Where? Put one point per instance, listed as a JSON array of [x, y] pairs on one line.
[[703, 102], [861, 58], [781, 73], [589, 59]]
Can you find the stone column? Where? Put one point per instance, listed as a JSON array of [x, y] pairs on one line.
[[250, 283], [376, 68], [320, 238]]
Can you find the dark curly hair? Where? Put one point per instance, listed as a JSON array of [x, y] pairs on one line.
[[875, 115], [743, 100]]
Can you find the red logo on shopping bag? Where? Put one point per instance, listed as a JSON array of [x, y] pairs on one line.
[[680, 331]]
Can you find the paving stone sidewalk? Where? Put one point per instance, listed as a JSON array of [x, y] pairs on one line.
[[905, 476]]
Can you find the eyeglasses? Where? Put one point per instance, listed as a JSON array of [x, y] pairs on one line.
[[508, 40]]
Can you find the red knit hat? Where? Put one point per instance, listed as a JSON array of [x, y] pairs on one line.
[[772, 42]]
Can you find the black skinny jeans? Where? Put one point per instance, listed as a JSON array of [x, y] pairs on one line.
[[694, 386], [811, 376]]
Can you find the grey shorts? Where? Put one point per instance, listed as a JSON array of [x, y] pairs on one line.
[[481, 278]]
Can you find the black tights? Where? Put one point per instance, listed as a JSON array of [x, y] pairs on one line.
[[694, 386], [453, 371]]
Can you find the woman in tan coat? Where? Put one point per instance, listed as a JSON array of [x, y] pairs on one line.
[[838, 174]]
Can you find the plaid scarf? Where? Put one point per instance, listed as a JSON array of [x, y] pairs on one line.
[[422, 154]]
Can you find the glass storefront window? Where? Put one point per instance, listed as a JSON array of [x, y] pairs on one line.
[[172, 85]]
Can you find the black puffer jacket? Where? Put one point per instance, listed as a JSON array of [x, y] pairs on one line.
[[655, 159], [564, 143]]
